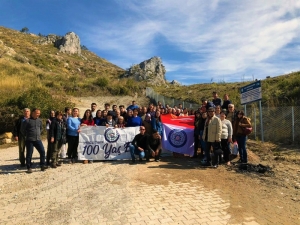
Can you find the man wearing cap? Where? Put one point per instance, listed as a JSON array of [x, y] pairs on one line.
[[212, 136]]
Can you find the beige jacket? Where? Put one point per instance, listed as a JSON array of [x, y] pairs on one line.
[[214, 130]]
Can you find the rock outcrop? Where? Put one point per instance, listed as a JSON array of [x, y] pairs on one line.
[[151, 70], [4, 50], [49, 39], [70, 43]]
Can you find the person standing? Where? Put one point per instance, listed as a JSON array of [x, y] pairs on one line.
[[57, 137], [226, 102], [134, 120], [68, 112], [19, 136], [93, 109], [241, 122], [48, 124], [226, 137], [156, 123], [196, 133], [73, 125], [32, 129], [132, 106], [216, 100], [212, 136]]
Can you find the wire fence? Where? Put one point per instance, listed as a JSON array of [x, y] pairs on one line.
[[280, 124], [155, 97]]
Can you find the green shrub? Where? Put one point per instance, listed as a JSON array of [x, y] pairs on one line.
[[101, 82], [39, 97]]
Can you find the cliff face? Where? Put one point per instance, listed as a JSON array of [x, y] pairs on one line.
[[70, 43], [151, 70]]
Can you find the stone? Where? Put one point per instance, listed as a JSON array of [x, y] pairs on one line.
[[49, 39], [6, 141], [151, 70], [70, 43], [8, 135]]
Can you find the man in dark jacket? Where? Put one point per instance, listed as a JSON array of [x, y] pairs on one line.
[[19, 136], [32, 129], [138, 145]]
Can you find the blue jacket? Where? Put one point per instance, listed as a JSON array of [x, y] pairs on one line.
[[134, 121], [157, 125], [73, 125]]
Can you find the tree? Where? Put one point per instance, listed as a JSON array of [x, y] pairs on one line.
[[83, 47], [24, 30]]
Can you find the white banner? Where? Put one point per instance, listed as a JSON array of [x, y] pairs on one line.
[[101, 143]]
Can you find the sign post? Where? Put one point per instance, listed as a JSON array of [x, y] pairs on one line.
[[253, 93]]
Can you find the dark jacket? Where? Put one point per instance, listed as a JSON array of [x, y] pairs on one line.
[[217, 101], [140, 141], [225, 104], [209, 104], [152, 143], [32, 128], [58, 130], [17, 127]]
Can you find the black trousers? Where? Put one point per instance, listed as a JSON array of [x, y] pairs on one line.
[[73, 142], [225, 149]]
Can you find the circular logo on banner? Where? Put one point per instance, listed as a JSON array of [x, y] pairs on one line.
[[177, 138], [111, 135]]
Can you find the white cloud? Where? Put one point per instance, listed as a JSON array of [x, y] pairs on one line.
[[223, 37]]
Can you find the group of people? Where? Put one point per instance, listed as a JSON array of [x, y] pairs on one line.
[[63, 132], [217, 124]]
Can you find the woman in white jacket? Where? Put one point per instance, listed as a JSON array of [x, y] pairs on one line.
[[226, 137]]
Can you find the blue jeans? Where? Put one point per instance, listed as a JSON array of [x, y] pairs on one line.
[[241, 140], [134, 151], [39, 147]]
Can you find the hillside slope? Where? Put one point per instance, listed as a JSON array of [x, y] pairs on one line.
[[32, 73], [276, 91]]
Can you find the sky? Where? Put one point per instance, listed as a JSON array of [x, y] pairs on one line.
[[199, 41]]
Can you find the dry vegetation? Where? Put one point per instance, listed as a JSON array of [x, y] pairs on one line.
[[31, 71], [278, 91]]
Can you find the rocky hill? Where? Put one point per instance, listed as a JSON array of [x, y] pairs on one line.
[[152, 71]]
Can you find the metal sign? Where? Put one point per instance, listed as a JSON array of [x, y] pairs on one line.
[[251, 93]]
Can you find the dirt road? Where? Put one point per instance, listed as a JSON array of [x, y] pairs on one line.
[[173, 191]]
